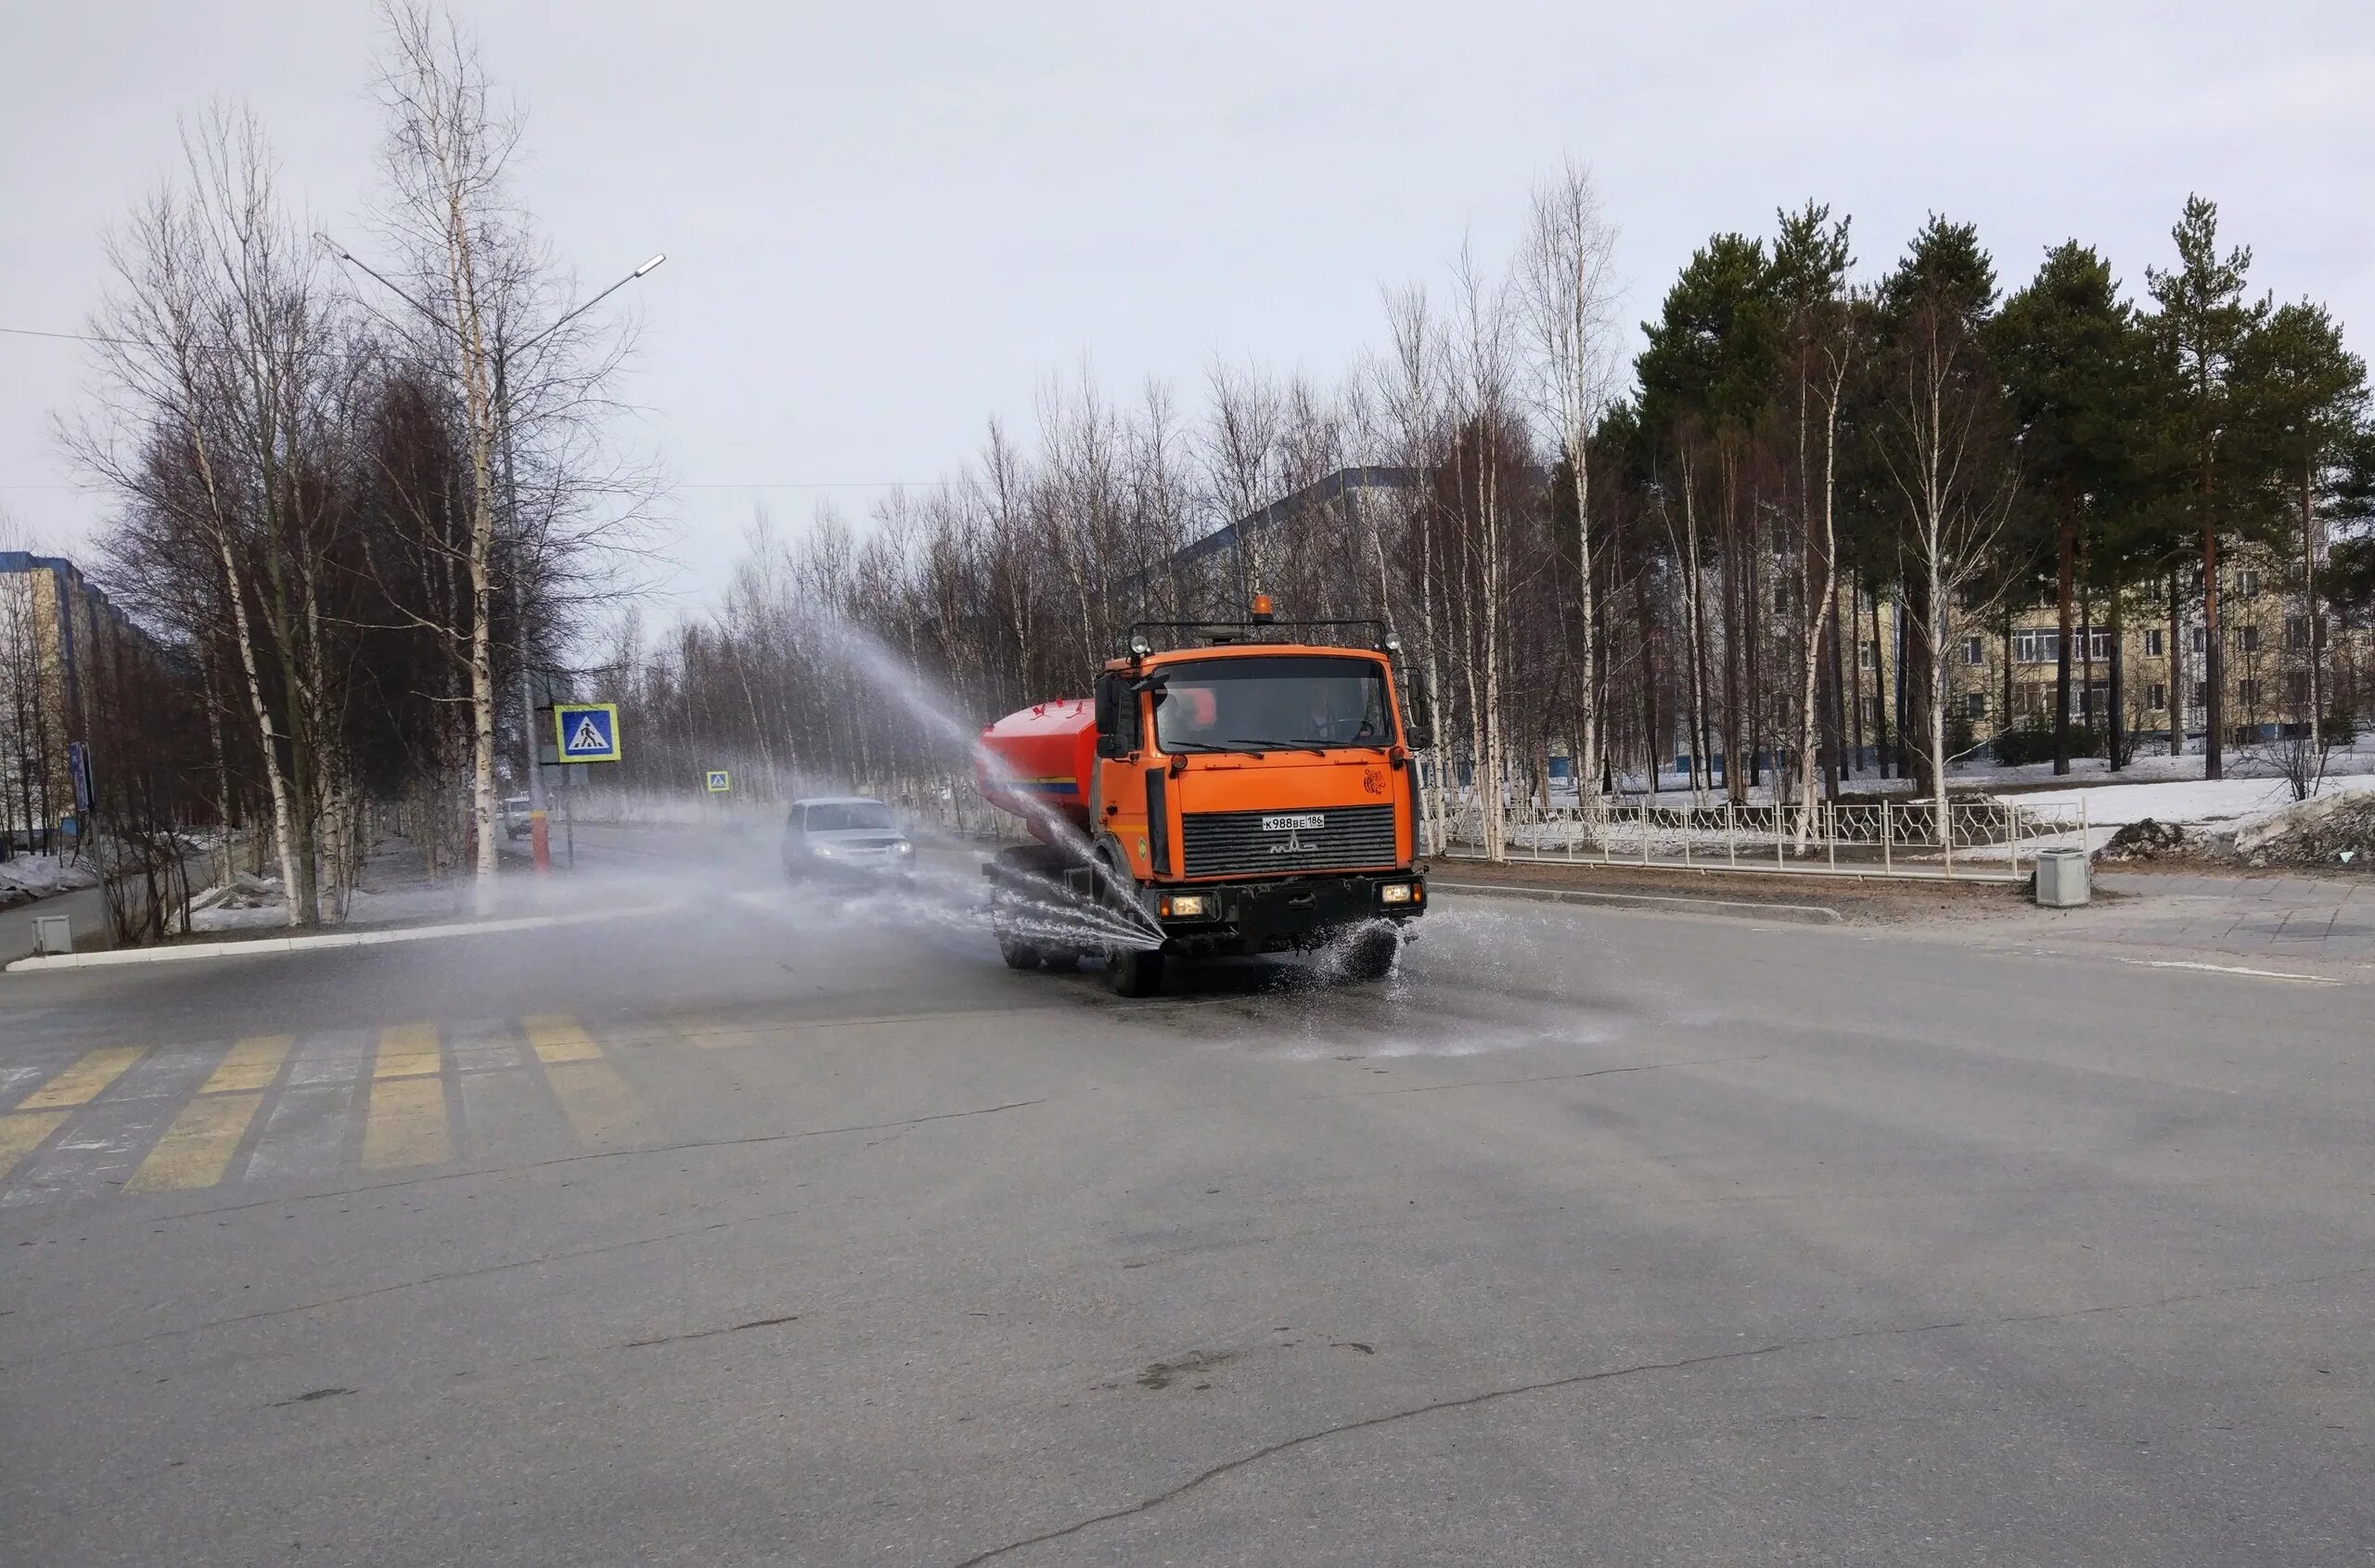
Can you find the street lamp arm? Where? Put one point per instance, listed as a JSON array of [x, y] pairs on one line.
[[580, 310], [340, 252]]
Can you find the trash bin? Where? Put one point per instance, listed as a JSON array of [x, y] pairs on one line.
[[2061, 878]]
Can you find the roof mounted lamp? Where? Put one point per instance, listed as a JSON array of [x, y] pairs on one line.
[[1261, 615]]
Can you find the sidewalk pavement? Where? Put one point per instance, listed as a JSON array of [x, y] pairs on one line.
[[2251, 917], [2260, 915]]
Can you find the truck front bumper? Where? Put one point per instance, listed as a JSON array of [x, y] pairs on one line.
[[1272, 916]]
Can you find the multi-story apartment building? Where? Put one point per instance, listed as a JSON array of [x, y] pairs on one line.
[[57, 631], [2002, 668]]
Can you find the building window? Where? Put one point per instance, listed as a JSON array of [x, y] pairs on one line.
[[1974, 650], [1974, 705], [2296, 688], [2202, 694], [2153, 646], [2247, 640], [2201, 639], [2099, 647], [2037, 648], [2156, 698], [2248, 693], [2296, 632], [2247, 583]]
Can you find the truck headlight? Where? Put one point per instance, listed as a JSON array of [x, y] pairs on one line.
[[903, 847], [1397, 892], [1187, 905]]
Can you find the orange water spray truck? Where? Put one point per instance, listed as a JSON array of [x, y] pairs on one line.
[[1232, 788]]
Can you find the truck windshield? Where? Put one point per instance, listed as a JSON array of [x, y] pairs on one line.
[[1284, 703]]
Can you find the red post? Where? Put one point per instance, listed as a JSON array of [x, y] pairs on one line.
[[540, 836]]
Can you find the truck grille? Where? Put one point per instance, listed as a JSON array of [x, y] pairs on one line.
[[1219, 843]]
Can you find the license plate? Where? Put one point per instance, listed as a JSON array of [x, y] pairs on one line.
[[1304, 823]]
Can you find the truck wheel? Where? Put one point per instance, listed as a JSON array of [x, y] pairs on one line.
[[1018, 953], [1130, 971], [1372, 954], [1134, 971]]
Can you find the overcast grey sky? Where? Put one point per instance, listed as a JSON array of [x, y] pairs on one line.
[[885, 223]]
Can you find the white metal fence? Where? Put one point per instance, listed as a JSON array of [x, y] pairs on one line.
[[1984, 838]]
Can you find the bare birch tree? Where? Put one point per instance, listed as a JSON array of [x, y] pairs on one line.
[[1941, 441], [1568, 280], [448, 148], [216, 354]]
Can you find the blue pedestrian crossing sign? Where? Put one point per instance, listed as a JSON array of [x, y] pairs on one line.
[[588, 732], [720, 781]]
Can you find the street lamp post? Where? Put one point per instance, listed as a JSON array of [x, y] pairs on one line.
[[539, 834]]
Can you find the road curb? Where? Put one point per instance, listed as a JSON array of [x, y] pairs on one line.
[[1796, 914], [269, 946]]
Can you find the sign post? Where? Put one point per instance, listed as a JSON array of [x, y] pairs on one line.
[[583, 732], [78, 762]]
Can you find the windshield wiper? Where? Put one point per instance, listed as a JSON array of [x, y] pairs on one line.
[[1195, 746], [1314, 746]]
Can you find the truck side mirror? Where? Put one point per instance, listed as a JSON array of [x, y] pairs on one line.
[[1415, 733], [1111, 748]]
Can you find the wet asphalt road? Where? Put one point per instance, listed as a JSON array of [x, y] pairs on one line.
[[756, 1228]]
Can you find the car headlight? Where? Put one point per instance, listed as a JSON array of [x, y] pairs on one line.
[[1397, 892], [1187, 905], [903, 847]]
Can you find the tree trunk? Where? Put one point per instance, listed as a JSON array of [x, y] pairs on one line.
[[1856, 668], [2317, 619], [1587, 796], [2117, 728], [2065, 549], [2213, 661]]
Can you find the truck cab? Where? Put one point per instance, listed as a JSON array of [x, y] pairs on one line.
[[1249, 793]]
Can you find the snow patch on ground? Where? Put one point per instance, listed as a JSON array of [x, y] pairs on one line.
[[2193, 802], [2144, 767], [28, 876]]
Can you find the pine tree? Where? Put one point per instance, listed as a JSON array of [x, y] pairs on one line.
[[2204, 323], [2060, 346], [1706, 383], [2309, 418]]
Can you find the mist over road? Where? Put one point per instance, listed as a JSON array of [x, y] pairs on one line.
[[774, 1224]]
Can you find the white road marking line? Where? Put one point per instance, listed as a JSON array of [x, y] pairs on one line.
[[2230, 969]]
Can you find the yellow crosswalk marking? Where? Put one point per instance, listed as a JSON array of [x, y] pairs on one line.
[[598, 1101], [21, 1132], [196, 1148], [251, 1065], [407, 1050], [406, 1123], [556, 1036], [81, 1083]]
